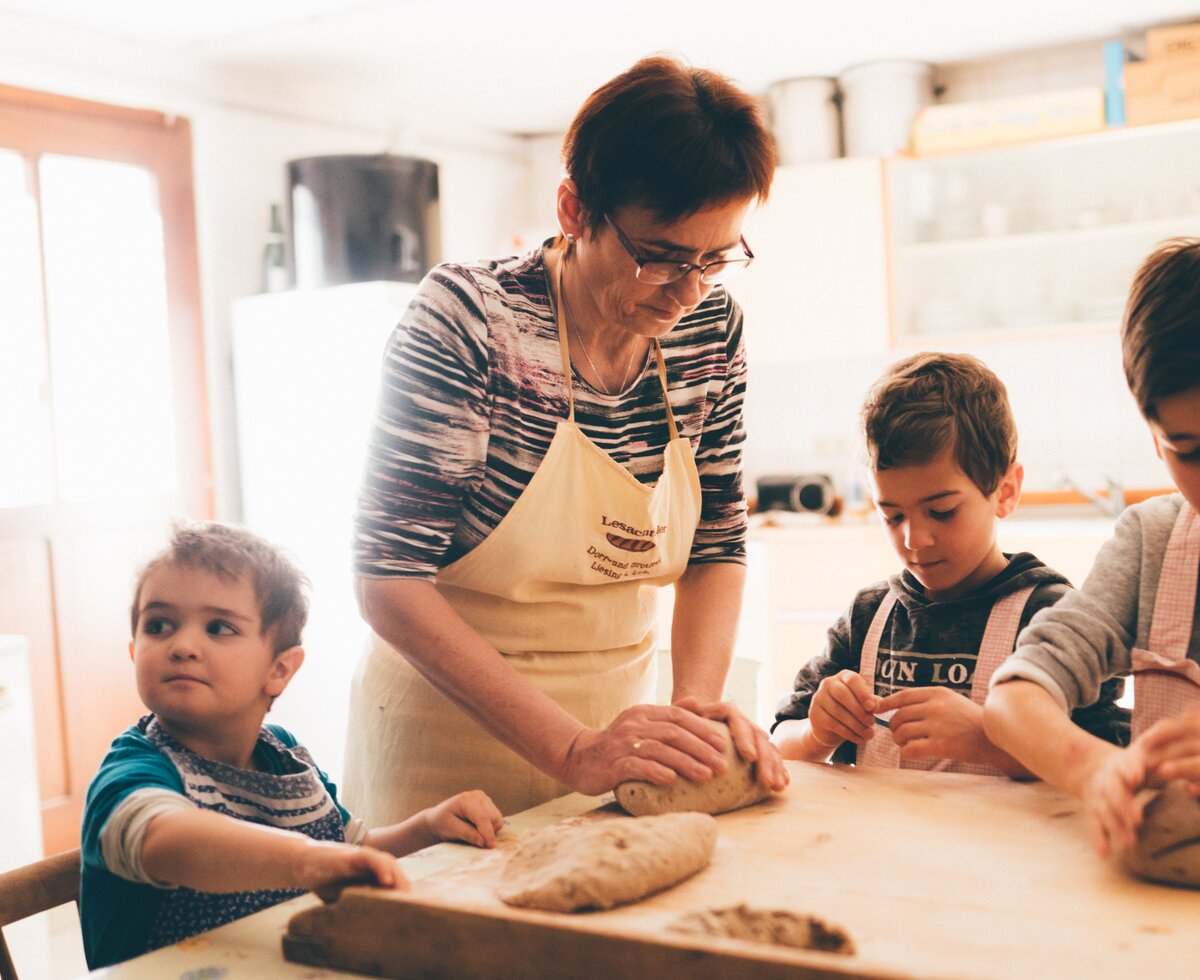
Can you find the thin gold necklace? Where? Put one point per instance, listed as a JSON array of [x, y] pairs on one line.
[[583, 346]]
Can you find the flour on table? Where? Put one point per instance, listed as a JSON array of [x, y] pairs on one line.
[[775, 927], [606, 862]]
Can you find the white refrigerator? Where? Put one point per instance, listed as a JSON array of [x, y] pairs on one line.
[[306, 373]]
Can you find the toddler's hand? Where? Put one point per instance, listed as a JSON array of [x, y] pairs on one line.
[[1171, 748], [471, 817], [843, 709], [326, 868], [936, 722], [1109, 798]]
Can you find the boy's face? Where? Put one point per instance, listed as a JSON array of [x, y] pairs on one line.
[[202, 661], [1177, 440], [941, 525]]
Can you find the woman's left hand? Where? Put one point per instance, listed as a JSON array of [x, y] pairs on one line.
[[752, 743]]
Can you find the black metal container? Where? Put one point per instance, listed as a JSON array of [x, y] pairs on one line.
[[360, 218]]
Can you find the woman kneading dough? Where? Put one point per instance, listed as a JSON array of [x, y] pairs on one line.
[[559, 435]]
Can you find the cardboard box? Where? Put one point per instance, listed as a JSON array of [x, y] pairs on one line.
[[1162, 91], [1167, 42], [957, 126]]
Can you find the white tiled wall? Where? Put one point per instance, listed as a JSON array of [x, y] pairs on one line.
[[1074, 413]]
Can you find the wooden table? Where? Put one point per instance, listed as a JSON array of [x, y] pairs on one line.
[[932, 875]]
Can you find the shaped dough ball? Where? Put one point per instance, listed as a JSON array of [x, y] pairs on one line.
[[733, 789], [1168, 844], [606, 863]]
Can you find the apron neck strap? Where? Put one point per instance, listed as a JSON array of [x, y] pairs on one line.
[[560, 259]]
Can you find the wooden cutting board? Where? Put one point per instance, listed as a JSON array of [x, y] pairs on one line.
[[931, 875]]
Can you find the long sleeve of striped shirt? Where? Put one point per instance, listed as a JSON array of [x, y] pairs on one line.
[[471, 392]]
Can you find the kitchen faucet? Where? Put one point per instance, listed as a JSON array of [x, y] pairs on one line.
[[1111, 499]]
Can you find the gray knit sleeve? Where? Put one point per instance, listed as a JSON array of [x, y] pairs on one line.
[[1072, 647]]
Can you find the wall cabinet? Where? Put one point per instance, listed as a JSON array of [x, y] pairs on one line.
[[1043, 235], [818, 286]]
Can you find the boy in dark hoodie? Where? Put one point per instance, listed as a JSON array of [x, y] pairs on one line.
[[905, 670]]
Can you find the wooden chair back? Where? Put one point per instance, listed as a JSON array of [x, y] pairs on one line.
[[35, 888]]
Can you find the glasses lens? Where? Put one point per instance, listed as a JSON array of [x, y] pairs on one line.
[[720, 272], [661, 273]]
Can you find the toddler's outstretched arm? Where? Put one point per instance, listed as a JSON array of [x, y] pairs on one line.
[[211, 852], [471, 817]]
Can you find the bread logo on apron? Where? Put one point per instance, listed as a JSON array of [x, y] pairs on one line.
[[636, 545], [642, 543]]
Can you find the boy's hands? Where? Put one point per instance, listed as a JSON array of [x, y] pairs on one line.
[[843, 709], [1168, 749], [326, 868], [937, 722], [1172, 749], [1108, 792], [471, 817]]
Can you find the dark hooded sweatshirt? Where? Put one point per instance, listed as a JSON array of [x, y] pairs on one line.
[[926, 643]]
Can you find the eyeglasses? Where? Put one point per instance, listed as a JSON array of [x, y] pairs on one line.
[[661, 272]]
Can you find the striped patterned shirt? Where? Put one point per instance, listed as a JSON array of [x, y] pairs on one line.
[[472, 390]]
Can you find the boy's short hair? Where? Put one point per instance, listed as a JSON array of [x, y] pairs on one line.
[[230, 552], [930, 401], [1160, 335]]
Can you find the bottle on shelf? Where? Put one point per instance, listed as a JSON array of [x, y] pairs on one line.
[[274, 262]]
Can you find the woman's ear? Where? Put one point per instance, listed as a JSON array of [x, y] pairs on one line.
[[1008, 493], [283, 669], [571, 217]]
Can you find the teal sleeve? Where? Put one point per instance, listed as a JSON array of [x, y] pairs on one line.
[[116, 915], [132, 763]]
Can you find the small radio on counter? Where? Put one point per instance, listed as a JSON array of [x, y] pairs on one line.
[[805, 493]]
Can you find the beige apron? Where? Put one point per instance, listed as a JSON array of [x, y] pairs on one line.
[[565, 587], [1166, 681], [999, 637]]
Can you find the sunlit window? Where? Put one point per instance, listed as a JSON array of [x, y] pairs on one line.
[[26, 463], [107, 314]]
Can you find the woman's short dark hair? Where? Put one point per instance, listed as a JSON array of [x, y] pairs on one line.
[[670, 138], [1160, 336], [929, 402]]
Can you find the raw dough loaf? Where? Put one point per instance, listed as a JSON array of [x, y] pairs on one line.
[[736, 787], [1168, 844], [776, 927], [607, 862]]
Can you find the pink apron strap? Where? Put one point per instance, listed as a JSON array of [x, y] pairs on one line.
[[1166, 682], [999, 638], [881, 750], [1175, 602]]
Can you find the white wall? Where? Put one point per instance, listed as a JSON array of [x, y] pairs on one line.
[[242, 138]]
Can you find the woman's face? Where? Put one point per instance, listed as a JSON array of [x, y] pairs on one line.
[[608, 272]]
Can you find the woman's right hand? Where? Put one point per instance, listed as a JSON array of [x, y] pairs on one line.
[[654, 743]]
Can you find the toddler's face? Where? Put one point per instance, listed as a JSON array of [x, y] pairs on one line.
[[1177, 439], [200, 654], [941, 525]]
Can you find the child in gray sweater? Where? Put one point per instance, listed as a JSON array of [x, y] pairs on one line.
[[1136, 613]]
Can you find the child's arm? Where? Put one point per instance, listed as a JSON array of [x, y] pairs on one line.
[[470, 817], [1024, 719], [830, 702], [937, 722], [212, 852], [841, 710]]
